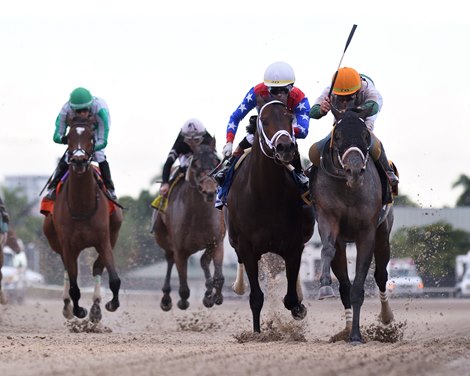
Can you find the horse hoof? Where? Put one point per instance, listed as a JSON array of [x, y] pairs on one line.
[[166, 306], [299, 312], [95, 313], [112, 306], [80, 312], [183, 304], [219, 299], [208, 301], [326, 292], [355, 343]]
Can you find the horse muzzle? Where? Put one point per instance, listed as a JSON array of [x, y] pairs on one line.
[[284, 151]]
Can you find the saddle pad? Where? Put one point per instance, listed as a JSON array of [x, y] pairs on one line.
[[161, 202], [47, 205]]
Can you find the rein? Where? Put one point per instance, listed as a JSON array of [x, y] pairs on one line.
[[271, 143]]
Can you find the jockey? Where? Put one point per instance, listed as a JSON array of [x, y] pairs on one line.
[[192, 134], [4, 217], [278, 84], [82, 103], [354, 90]]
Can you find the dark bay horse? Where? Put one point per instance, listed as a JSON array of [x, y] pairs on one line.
[[264, 209], [348, 206], [81, 218], [191, 223]]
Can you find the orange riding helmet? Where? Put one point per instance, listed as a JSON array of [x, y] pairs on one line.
[[347, 82]]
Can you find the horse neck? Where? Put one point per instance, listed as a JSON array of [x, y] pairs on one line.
[[261, 165], [81, 190]]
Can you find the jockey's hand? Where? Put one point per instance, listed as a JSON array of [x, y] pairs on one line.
[[164, 188], [325, 106], [5, 216], [65, 140], [227, 150]]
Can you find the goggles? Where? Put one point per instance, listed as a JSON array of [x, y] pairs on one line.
[[277, 90]]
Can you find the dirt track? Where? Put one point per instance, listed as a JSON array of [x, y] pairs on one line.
[[140, 339]]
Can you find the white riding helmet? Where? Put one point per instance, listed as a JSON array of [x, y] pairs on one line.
[[193, 131], [279, 74]]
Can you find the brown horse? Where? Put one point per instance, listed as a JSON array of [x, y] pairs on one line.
[[264, 208], [192, 223], [80, 219], [348, 203]]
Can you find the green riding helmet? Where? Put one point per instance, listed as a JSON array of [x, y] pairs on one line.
[[80, 98]]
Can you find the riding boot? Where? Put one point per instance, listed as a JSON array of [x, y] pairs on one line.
[[59, 173], [384, 163], [108, 182], [299, 173], [220, 175]]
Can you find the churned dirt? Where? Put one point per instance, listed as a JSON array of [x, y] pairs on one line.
[[428, 337]]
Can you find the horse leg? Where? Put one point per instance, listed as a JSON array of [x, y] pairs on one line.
[[106, 256], [3, 299], [70, 262], [95, 311], [182, 267], [339, 265], [239, 286], [206, 258], [363, 260], [328, 235], [219, 278], [291, 300], [67, 310], [165, 303], [256, 294], [382, 257]]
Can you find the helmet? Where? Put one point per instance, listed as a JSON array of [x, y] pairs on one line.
[[193, 128], [80, 98], [347, 82], [279, 74]]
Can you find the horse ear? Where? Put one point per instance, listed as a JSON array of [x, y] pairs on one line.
[[213, 142], [365, 113]]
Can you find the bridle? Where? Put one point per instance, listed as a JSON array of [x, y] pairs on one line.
[[74, 156], [272, 143], [195, 178], [339, 172]]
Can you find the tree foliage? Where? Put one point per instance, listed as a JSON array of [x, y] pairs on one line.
[[433, 248], [464, 198]]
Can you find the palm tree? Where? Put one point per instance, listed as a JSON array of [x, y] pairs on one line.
[[464, 199]]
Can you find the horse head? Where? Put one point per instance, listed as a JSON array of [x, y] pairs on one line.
[[351, 143], [81, 143], [204, 161], [276, 132]]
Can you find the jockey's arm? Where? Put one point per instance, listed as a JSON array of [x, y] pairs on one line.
[[248, 103], [103, 129]]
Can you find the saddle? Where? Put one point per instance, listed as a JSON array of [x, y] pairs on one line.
[[47, 205]]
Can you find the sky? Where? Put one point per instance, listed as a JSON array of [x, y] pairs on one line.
[[158, 64]]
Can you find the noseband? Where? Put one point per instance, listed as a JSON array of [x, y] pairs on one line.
[[80, 152], [197, 180], [271, 143]]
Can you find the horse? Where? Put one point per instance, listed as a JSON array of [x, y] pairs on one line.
[[191, 223], [3, 241], [348, 205], [80, 219], [264, 212]]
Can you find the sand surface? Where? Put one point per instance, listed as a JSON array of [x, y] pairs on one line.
[[432, 337]]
